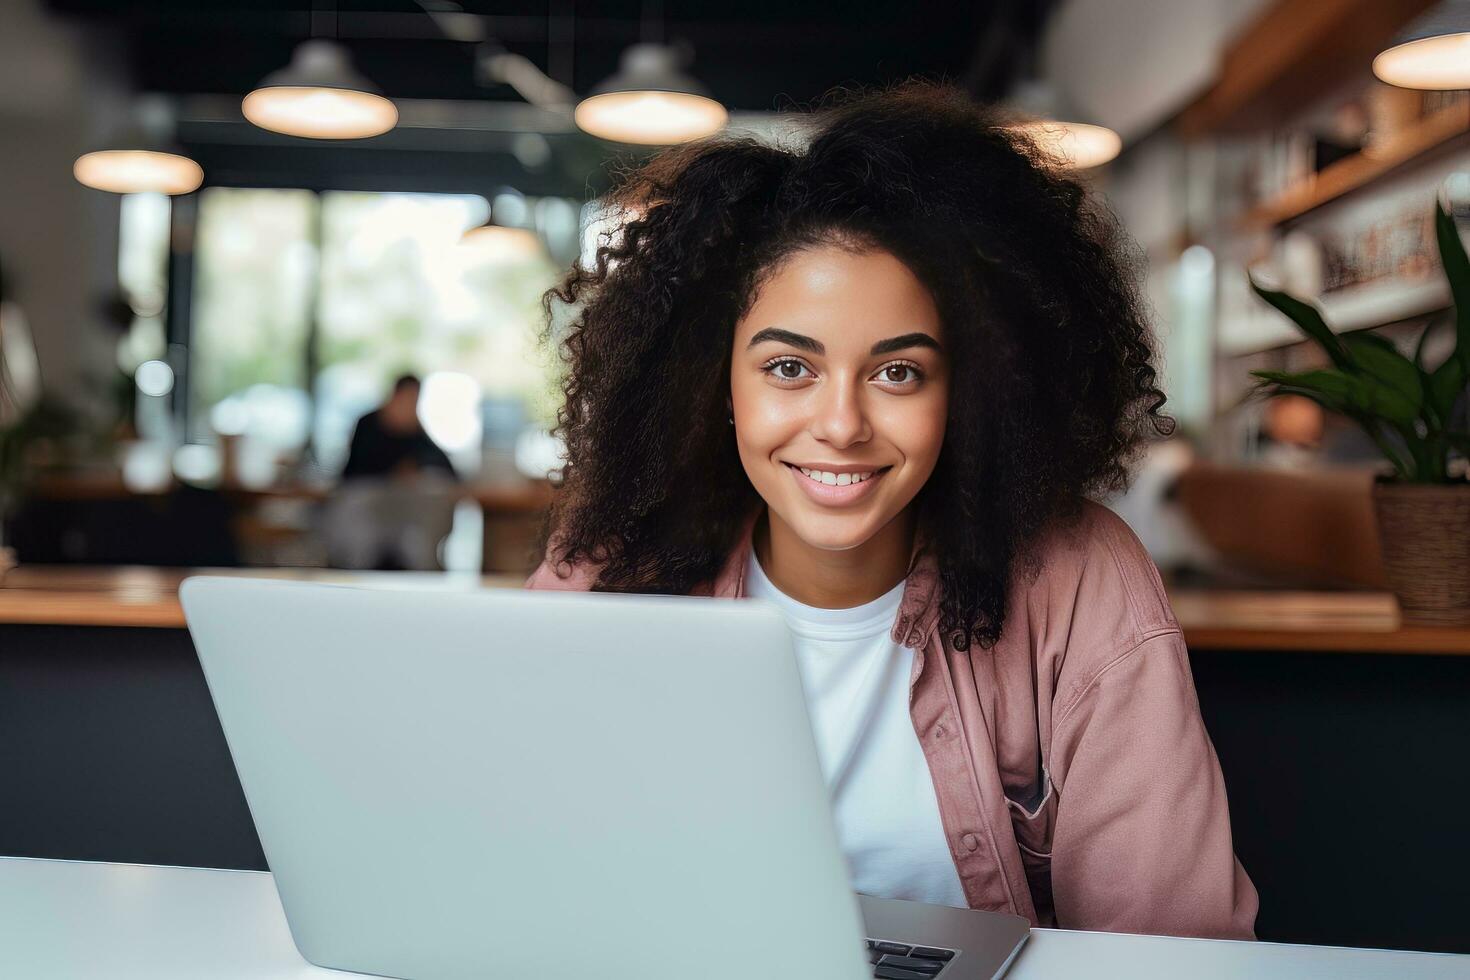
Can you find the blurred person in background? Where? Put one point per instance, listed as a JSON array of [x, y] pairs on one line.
[[391, 441], [877, 380], [395, 504], [1291, 433]]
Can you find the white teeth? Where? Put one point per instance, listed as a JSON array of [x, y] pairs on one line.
[[835, 479]]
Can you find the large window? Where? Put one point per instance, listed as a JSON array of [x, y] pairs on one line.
[[254, 283], [307, 305]]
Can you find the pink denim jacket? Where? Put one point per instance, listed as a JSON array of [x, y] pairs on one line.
[[1077, 785]]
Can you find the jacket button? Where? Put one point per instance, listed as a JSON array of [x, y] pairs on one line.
[[970, 841], [939, 731]]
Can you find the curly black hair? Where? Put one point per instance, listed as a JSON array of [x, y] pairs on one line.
[[1037, 293]]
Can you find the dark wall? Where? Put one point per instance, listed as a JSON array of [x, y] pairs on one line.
[[1349, 791], [110, 750]]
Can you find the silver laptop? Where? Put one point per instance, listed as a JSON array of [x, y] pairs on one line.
[[503, 783]]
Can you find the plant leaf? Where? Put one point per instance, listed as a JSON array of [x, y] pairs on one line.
[[1360, 396], [1374, 397], [1377, 356], [1331, 390], [1308, 320], [1325, 387], [1446, 384], [1405, 468], [1457, 271], [1370, 338]]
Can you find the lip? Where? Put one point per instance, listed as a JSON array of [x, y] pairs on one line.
[[827, 496]]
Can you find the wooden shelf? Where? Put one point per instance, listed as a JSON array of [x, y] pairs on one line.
[[1360, 169], [1289, 56]]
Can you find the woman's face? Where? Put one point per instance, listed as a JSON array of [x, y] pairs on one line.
[[840, 388]]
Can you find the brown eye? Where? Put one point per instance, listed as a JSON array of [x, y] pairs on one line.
[[897, 373], [787, 369]]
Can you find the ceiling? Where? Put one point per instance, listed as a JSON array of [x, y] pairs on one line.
[[753, 55], [456, 134]]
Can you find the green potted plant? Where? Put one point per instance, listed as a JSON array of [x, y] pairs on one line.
[[1413, 415]]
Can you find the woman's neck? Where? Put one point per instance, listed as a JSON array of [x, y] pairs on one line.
[[834, 579]]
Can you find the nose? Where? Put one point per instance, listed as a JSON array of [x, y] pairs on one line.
[[840, 419]]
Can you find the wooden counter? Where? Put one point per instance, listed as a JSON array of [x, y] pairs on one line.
[[63, 595], [1329, 622], [1213, 619]]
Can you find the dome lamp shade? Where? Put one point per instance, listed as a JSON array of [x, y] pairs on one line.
[[319, 96], [1056, 129], [1433, 53], [138, 171], [141, 158], [1076, 146], [650, 101]]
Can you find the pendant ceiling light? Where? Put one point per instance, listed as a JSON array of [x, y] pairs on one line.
[[138, 172], [1072, 144], [319, 95], [1076, 146], [650, 101], [1433, 53], [142, 159]]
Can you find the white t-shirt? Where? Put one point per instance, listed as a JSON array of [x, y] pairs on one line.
[[857, 693]]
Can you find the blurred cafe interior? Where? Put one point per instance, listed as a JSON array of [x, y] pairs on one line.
[[273, 277]]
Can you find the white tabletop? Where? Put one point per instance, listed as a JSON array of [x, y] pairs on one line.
[[70, 919]]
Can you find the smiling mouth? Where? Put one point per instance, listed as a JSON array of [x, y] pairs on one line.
[[830, 479], [830, 489]]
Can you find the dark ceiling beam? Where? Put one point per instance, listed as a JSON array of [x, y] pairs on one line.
[[514, 29], [757, 62], [1005, 47]]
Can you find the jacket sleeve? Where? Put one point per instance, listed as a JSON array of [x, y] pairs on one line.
[[1142, 839]]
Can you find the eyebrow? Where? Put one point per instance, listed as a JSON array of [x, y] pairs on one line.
[[803, 342], [904, 342]]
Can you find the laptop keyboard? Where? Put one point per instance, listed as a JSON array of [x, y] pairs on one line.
[[900, 961]]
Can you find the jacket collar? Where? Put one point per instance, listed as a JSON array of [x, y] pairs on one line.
[[918, 610]]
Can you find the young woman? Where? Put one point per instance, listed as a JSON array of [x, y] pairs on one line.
[[873, 380]]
